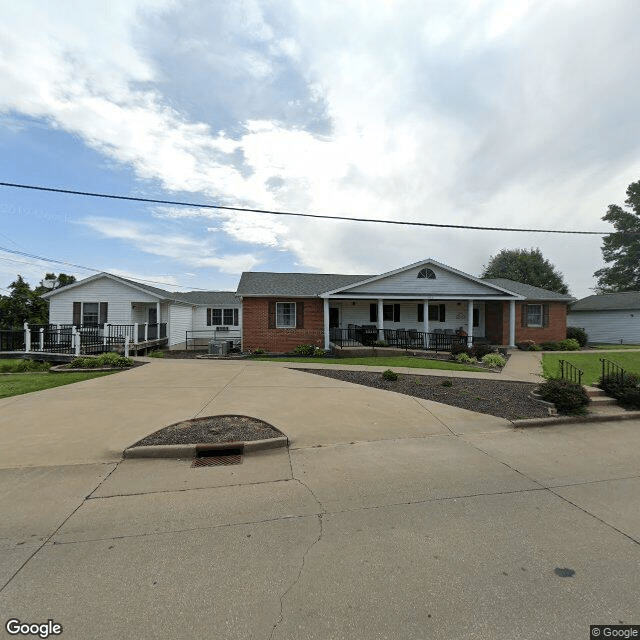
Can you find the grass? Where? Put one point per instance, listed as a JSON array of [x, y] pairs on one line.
[[391, 361], [589, 363], [22, 366], [17, 385], [614, 347]]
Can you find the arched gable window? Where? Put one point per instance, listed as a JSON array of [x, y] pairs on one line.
[[427, 273]]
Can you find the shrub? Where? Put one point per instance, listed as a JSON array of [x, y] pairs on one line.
[[550, 346], [389, 375], [623, 388], [481, 350], [535, 347], [304, 350], [23, 366], [570, 344], [156, 354], [381, 343], [464, 358], [447, 383], [578, 334], [258, 351], [460, 347], [629, 398], [318, 353], [494, 360], [569, 397], [104, 360]]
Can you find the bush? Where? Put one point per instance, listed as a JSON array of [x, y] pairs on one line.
[[318, 353], [569, 397], [482, 350], [23, 366], [629, 398], [389, 375], [304, 350], [156, 354], [380, 343], [460, 347], [550, 346], [570, 344], [534, 347], [625, 389], [494, 360], [464, 358], [447, 383], [258, 351], [104, 360], [578, 334]]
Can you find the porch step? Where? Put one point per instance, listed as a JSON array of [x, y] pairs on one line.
[[599, 398]]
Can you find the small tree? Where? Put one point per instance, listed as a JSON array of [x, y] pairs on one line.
[[622, 248], [526, 266]]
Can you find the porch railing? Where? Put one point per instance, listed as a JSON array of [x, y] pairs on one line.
[[368, 335], [611, 370], [83, 339]]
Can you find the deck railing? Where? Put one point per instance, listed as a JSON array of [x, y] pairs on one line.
[[611, 370], [368, 335]]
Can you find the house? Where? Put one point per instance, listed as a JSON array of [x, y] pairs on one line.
[[117, 306], [421, 304], [609, 317]]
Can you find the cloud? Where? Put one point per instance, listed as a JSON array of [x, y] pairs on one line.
[[496, 112], [184, 249]]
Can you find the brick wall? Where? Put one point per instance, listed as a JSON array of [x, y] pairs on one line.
[[556, 330], [258, 335]]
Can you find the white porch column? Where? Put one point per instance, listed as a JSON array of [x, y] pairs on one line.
[[512, 323], [470, 323], [158, 318], [27, 337], [380, 320], [105, 331], [146, 331], [425, 323], [126, 347], [135, 333], [325, 318], [76, 341], [41, 339]]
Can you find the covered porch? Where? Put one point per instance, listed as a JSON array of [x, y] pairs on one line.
[[410, 323]]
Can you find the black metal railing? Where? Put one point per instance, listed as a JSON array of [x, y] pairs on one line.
[[11, 339], [611, 370], [368, 335], [570, 372], [121, 331]]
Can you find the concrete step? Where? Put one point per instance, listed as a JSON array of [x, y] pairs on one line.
[[602, 401]]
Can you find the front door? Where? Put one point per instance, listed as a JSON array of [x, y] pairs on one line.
[[153, 315], [334, 317]]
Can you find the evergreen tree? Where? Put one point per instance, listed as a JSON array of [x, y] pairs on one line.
[[622, 248], [526, 266]]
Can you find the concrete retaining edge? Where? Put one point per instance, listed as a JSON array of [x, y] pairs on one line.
[[543, 422], [189, 450]]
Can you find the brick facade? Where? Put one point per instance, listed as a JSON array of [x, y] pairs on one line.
[[555, 330], [257, 334]]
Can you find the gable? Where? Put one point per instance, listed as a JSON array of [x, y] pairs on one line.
[[447, 282]]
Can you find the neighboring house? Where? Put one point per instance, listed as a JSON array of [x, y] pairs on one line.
[[608, 318], [121, 305], [283, 310]]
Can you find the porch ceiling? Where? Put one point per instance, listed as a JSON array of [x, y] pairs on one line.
[[397, 296]]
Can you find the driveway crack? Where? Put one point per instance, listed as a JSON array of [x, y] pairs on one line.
[[280, 619]]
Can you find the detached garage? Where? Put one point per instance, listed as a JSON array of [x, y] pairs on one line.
[[610, 318]]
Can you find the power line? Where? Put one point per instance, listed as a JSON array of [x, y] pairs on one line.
[[79, 266], [198, 205]]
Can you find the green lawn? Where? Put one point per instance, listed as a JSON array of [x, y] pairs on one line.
[[15, 385], [614, 347], [390, 362], [589, 363]]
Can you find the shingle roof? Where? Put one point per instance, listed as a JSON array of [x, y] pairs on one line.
[[221, 298], [261, 283], [528, 291], [608, 301]]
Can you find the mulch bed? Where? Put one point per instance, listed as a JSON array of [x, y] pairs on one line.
[[510, 400], [212, 429]]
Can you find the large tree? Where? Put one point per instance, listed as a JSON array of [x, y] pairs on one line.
[[527, 266], [622, 248], [24, 304]]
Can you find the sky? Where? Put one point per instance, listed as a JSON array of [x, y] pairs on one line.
[[511, 113]]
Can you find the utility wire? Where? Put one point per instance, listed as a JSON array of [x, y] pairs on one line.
[[79, 266], [198, 205]]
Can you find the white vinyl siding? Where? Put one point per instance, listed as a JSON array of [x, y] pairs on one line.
[[180, 321], [609, 327]]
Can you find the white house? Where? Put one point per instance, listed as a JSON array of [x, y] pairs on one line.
[[608, 318], [119, 306]]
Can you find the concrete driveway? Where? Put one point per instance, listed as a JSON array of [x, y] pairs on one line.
[[387, 517]]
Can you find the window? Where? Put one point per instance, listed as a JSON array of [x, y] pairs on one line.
[[390, 312], [534, 315], [217, 317], [90, 311], [427, 273], [285, 315]]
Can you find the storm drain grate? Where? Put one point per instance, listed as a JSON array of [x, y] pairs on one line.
[[217, 457]]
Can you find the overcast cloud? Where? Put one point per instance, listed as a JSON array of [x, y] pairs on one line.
[[498, 113]]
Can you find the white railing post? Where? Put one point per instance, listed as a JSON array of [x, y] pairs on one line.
[[41, 339], [58, 334], [126, 347], [104, 334], [27, 337], [75, 340], [135, 333], [146, 331]]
